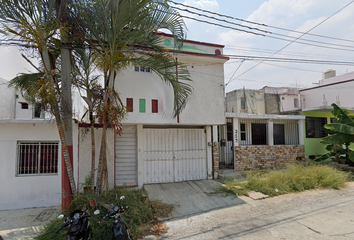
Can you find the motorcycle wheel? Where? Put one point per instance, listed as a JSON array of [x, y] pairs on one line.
[[88, 235], [71, 238]]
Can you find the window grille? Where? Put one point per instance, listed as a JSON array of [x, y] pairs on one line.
[[315, 127], [37, 158]]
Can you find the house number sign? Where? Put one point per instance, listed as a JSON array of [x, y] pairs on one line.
[[236, 139]]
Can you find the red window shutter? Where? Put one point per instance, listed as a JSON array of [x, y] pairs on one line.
[[129, 104], [155, 106]]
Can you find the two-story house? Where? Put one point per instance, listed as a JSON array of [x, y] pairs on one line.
[[154, 146]]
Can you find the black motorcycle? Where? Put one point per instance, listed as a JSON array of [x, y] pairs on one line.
[[79, 225], [119, 227]]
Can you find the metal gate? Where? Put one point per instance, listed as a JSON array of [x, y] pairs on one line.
[[174, 155], [226, 153]]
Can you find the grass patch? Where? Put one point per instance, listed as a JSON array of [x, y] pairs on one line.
[[141, 216], [296, 178]]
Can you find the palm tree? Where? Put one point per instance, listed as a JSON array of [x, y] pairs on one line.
[[124, 33], [33, 24], [87, 82]]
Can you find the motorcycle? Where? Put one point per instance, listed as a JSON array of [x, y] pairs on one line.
[[119, 227], [79, 225]]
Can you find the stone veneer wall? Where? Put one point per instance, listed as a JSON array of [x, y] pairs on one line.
[[216, 157], [253, 157]]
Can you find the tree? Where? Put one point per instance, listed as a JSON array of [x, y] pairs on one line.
[[124, 33], [33, 24], [341, 136], [86, 81]]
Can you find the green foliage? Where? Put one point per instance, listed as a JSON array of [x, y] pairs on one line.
[[141, 213], [341, 135], [295, 179]]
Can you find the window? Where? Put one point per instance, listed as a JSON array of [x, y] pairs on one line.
[[154, 106], [129, 104], [243, 103], [142, 105], [142, 69], [243, 131], [37, 158], [259, 134], [38, 110], [315, 127], [296, 103], [278, 134], [24, 105]]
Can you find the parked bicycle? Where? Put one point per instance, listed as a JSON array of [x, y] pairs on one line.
[[119, 227]]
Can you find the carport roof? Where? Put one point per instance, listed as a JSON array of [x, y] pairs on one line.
[[263, 116]]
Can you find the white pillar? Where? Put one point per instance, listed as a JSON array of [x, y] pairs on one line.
[[209, 150], [140, 154], [270, 133], [301, 132]]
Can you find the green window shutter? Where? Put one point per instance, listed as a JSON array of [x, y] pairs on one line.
[[142, 105]]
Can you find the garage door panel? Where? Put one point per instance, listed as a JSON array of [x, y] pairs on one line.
[[174, 155], [126, 156]]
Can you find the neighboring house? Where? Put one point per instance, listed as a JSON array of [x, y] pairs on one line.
[[154, 146], [30, 160], [268, 100], [256, 138], [316, 107]]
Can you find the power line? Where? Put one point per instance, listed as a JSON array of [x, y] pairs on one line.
[[269, 51], [298, 37], [295, 60], [263, 32], [256, 23]]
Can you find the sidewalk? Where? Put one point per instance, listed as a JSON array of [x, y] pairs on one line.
[[25, 223]]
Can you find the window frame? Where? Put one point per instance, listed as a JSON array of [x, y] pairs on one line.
[[130, 104], [154, 106], [278, 134], [243, 132], [39, 155], [317, 127], [142, 105]]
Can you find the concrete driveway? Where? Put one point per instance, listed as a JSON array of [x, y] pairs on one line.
[[191, 197]]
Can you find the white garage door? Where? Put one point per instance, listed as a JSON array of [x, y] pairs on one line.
[[174, 155]]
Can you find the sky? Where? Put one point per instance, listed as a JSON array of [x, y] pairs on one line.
[[299, 15]]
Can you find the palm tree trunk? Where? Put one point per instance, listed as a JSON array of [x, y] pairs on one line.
[[65, 148], [100, 160], [93, 149]]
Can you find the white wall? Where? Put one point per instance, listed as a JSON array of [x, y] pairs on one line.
[[208, 93], [287, 104], [7, 100], [315, 97], [26, 191], [84, 163], [338, 78]]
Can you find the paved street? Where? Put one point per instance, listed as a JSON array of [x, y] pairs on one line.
[[317, 214]]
